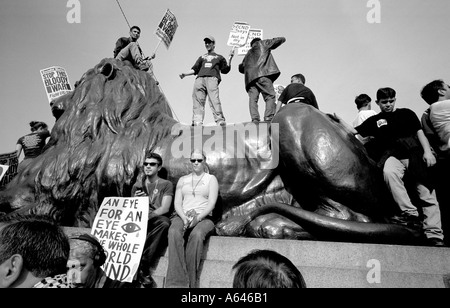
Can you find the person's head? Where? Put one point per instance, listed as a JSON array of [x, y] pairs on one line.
[[256, 39], [198, 161], [31, 249], [37, 126], [210, 43], [298, 78], [435, 91], [86, 258], [266, 269], [135, 33], [363, 100], [386, 99], [152, 164]]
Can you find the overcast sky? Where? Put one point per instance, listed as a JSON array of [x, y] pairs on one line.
[[330, 41]]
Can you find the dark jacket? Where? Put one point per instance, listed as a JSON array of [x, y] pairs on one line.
[[259, 62]]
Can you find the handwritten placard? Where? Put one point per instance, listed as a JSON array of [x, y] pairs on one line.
[[121, 227], [253, 33], [238, 34]]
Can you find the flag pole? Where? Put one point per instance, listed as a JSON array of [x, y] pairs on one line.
[[157, 46]]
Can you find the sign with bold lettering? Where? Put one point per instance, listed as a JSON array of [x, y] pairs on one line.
[[56, 82], [11, 162], [121, 228], [253, 33], [238, 34], [167, 27], [3, 169]]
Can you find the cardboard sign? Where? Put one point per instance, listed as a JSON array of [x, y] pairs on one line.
[[3, 169], [167, 27], [253, 33], [238, 34], [9, 163], [121, 228], [56, 82]]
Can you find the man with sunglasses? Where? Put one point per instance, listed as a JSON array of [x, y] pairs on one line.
[[208, 68], [160, 194], [403, 148]]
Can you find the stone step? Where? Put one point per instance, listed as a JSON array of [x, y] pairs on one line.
[[327, 264]]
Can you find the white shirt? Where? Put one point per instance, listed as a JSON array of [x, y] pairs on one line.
[[362, 116], [440, 118]]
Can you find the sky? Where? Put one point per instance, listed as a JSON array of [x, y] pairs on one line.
[[335, 43]]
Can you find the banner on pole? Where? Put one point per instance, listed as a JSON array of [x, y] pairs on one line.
[[121, 228], [238, 34], [56, 82], [167, 27], [8, 167], [253, 33]]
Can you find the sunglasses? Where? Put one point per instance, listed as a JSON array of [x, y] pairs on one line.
[[151, 164], [196, 160]]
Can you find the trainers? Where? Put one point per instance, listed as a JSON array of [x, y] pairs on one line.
[[407, 220], [436, 242], [144, 65]]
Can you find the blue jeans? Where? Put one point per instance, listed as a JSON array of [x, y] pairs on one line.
[[204, 86], [185, 257], [156, 241]]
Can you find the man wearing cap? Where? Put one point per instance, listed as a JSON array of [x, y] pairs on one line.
[[208, 68], [260, 71]]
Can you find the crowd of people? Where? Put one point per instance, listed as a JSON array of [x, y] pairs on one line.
[[181, 220]]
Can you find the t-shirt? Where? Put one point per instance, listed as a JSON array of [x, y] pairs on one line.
[[440, 118], [32, 144], [388, 128], [211, 65], [155, 192], [195, 192], [121, 44], [298, 90], [361, 117]]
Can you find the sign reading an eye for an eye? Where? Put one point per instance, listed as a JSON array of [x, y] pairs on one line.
[[121, 228]]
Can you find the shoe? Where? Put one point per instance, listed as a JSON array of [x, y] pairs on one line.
[[144, 65], [197, 123], [146, 281], [221, 123], [436, 242], [407, 220], [255, 121]]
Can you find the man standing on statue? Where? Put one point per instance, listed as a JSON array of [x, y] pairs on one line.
[[260, 72], [208, 68]]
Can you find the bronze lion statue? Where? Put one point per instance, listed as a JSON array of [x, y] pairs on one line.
[[303, 176]]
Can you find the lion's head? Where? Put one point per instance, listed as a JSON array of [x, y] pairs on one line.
[[97, 144]]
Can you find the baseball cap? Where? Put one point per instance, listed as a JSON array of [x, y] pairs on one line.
[[209, 38]]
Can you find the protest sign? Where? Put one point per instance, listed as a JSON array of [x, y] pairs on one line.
[[56, 82], [3, 169], [238, 34], [167, 27], [278, 90], [11, 161], [253, 33], [121, 228]]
